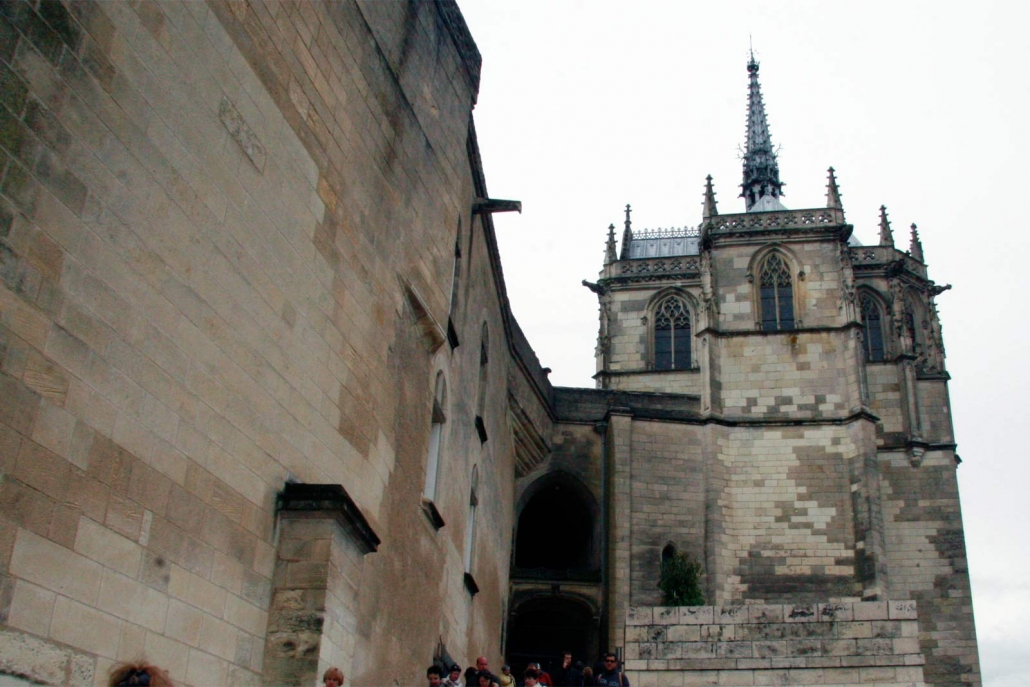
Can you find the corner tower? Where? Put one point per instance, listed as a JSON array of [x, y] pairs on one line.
[[779, 411]]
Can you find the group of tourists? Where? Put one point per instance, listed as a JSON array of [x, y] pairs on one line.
[[606, 673]]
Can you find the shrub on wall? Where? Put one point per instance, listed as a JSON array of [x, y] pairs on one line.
[[681, 581]]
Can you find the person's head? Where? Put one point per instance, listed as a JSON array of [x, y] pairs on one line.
[[481, 664], [611, 662], [434, 674], [531, 675], [333, 678], [484, 679], [455, 672], [506, 669], [588, 671], [566, 659], [141, 674]]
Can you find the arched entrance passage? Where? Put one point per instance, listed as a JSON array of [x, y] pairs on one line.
[[542, 628], [556, 573], [558, 527]]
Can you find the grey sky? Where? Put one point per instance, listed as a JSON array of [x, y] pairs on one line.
[[923, 107]]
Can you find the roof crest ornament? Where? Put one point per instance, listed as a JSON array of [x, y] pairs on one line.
[[710, 204], [886, 235], [761, 171], [915, 248]]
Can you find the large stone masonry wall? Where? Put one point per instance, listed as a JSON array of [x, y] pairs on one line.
[[873, 643], [927, 562], [208, 212], [780, 515], [668, 501], [884, 385], [794, 374]]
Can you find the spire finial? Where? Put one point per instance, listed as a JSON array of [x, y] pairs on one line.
[[832, 192], [710, 207], [609, 249], [886, 235], [915, 248], [761, 172]]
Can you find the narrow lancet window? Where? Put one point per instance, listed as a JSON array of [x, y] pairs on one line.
[[435, 436], [777, 294], [872, 329], [672, 335]]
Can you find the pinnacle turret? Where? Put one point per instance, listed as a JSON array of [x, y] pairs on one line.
[[915, 248], [627, 236], [886, 235], [710, 204], [610, 255], [762, 187], [832, 192]]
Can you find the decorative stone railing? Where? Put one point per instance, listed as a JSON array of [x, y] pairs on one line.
[[791, 219], [655, 266], [868, 643]]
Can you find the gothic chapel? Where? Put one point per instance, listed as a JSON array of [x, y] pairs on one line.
[[777, 408]]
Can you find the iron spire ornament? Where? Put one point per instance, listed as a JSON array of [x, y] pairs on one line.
[[832, 192], [710, 204], [915, 248], [762, 187], [886, 235]]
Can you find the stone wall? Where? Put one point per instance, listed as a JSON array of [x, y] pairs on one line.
[[227, 240], [874, 643]]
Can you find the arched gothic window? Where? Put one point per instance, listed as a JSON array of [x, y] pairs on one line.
[[777, 294], [872, 328], [435, 434], [672, 335]]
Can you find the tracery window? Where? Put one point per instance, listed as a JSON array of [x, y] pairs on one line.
[[872, 328], [672, 335], [777, 294]]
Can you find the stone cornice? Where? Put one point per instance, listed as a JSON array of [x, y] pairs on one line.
[[334, 500]]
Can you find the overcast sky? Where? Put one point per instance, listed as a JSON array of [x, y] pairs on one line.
[[923, 107]]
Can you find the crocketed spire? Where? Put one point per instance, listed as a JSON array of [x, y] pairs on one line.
[[762, 186]]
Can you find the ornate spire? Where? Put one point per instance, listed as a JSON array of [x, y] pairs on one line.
[[761, 173], [886, 235], [627, 236], [610, 255], [915, 248], [710, 206], [832, 192]]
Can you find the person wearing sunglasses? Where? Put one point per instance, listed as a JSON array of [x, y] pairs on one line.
[[611, 675]]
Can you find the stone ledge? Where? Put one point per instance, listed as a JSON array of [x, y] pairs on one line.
[[334, 499]]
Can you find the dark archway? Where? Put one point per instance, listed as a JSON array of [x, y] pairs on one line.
[[556, 528], [542, 628]]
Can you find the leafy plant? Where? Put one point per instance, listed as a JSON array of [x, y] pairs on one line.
[[681, 581]]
